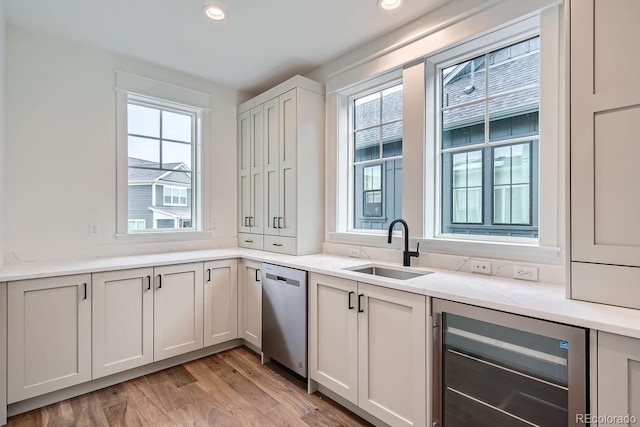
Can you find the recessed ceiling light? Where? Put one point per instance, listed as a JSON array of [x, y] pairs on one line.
[[388, 4], [214, 12]]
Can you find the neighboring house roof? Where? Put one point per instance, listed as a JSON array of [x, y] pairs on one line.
[[464, 83], [138, 171]]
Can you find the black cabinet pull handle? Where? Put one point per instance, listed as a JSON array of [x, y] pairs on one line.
[[159, 281], [248, 241], [257, 276], [350, 306], [279, 223], [277, 244], [273, 223], [148, 283], [360, 310], [208, 274], [250, 221], [85, 290], [246, 218]]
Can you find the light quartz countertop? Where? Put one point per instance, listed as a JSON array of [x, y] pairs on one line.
[[534, 299]]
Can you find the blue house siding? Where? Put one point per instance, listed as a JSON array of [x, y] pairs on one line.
[[139, 202]]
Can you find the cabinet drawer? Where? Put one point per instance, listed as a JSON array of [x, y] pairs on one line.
[[283, 245], [251, 241]]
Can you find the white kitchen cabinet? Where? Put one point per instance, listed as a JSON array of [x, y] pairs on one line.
[[292, 120], [368, 345], [49, 335], [220, 301], [251, 303], [177, 309], [605, 122], [618, 377], [122, 327], [333, 334], [250, 175]]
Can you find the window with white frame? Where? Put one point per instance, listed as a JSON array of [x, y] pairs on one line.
[[162, 152], [376, 156], [136, 224], [175, 196], [488, 106]]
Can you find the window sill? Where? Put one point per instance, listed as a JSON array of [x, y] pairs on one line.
[[163, 236], [512, 251]]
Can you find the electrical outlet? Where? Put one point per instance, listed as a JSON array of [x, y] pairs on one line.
[[525, 272], [354, 252], [94, 229], [480, 267]]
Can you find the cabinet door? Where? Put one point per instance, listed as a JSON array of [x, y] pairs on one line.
[[271, 171], [256, 220], [244, 171], [251, 323], [177, 314], [220, 301], [618, 376], [333, 335], [605, 122], [392, 355], [49, 335], [287, 164], [122, 327]]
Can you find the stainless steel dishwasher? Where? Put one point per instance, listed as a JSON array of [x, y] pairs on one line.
[[284, 317]]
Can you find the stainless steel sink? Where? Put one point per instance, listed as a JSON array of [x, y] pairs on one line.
[[392, 273]]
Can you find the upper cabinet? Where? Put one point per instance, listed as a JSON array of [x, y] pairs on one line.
[[281, 169], [605, 122]]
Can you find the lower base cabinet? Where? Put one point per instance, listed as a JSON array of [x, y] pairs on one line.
[[368, 344], [122, 327], [178, 310], [220, 301], [618, 379], [49, 335], [251, 303]]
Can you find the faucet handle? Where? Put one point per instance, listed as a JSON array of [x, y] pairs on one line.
[[418, 247]]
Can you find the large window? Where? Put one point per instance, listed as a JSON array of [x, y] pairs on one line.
[[162, 149], [488, 141], [376, 135]]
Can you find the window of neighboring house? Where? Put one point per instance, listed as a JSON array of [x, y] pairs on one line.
[[488, 141], [162, 146], [137, 224], [175, 196], [376, 135]]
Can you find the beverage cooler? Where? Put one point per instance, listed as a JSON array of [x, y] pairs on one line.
[[498, 369]]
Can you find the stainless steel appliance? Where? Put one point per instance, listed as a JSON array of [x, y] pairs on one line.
[[284, 317], [500, 369]]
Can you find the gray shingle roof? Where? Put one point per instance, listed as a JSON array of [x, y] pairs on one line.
[[138, 171]]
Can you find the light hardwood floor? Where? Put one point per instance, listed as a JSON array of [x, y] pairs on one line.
[[230, 388]]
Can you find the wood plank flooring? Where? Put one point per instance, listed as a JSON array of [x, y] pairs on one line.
[[231, 388]]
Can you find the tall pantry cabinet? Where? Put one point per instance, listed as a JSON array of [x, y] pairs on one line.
[[605, 124], [281, 169]]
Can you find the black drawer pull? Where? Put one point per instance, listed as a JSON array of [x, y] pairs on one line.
[[257, 275], [248, 241], [85, 290], [360, 310], [277, 244], [159, 281], [350, 306], [148, 283], [209, 274]]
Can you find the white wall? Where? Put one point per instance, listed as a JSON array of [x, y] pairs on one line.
[[2, 129], [61, 151]]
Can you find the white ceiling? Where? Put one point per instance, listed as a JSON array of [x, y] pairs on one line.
[[262, 43]]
